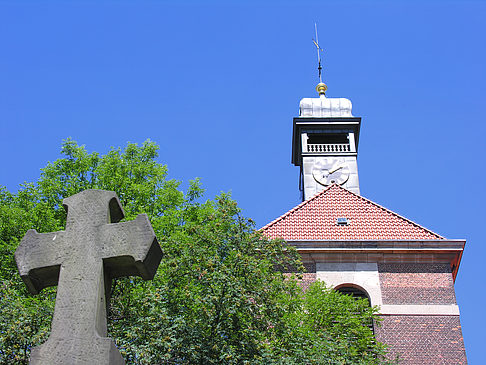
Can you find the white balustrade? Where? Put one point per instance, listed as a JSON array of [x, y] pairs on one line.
[[335, 147]]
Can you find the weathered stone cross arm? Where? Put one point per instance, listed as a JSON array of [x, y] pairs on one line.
[[39, 258], [122, 257]]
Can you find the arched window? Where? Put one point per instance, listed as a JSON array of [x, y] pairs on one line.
[[356, 292]]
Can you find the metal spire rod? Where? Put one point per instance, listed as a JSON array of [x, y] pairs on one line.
[[319, 49]]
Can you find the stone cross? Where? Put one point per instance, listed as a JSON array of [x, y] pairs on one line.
[[82, 261]]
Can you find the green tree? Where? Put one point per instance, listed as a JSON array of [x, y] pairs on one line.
[[217, 296]]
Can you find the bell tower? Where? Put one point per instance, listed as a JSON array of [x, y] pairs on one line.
[[357, 246], [325, 144]]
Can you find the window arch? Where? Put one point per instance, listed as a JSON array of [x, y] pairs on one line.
[[354, 290]]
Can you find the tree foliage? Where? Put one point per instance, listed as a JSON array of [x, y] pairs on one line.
[[217, 297]]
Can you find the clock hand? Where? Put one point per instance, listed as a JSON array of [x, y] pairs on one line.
[[335, 169]]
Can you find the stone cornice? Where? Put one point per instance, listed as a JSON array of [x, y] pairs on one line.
[[440, 249], [440, 244]]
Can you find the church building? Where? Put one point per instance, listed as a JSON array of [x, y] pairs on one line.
[[361, 248]]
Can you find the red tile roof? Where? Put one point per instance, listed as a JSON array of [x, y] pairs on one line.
[[316, 219]]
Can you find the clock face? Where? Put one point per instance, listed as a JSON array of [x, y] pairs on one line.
[[328, 171]]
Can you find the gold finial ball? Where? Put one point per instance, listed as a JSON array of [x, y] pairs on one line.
[[321, 88]]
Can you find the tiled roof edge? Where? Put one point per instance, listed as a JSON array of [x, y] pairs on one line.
[[392, 212], [356, 195], [297, 207]]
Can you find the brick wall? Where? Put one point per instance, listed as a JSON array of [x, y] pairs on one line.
[[420, 339], [423, 340], [309, 276], [417, 339], [416, 284]]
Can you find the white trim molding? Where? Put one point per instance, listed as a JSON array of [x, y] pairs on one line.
[[420, 310]]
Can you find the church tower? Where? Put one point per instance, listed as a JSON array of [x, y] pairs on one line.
[[359, 247], [325, 144]]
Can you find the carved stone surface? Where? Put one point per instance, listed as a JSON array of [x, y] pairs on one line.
[[82, 261]]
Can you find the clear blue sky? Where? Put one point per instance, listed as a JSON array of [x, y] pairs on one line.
[[217, 86]]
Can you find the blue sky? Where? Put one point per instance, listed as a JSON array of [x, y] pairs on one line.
[[217, 86]]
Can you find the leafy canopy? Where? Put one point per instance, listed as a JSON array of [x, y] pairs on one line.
[[217, 297]]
